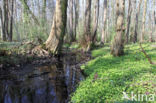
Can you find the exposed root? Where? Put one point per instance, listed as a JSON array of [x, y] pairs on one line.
[[39, 51], [149, 59]]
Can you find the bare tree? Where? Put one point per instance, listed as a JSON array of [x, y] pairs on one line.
[[44, 11], [11, 20], [117, 48], [55, 40], [87, 26], [104, 23], [76, 9], [71, 20], [128, 21], [6, 15], [136, 22], [96, 20], [28, 11], [143, 21], [155, 17]]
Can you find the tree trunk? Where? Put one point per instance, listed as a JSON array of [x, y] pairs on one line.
[[71, 21], [96, 20], [104, 23], [3, 36], [133, 18], [44, 12], [5, 20], [136, 23], [155, 17], [117, 48], [143, 21], [28, 11], [87, 26], [76, 7], [11, 20], [44, 19], [152, 21], [55, 40], [128, 21]]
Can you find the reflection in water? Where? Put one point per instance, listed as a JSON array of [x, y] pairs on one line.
[[48, 84]]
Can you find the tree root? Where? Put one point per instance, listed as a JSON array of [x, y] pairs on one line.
[[149, 59], [39, 51]]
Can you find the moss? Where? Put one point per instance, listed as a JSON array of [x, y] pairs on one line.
[[131, 72]]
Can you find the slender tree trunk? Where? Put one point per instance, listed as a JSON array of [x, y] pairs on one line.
[[87, 24], [128, 21], [143, 21], [137, 22], [44, 19], [96, 20], [29, 12], [76, 7], [104, 23], [150, 27], [71, 20], [117, 48], [4, 19], [153, 25], [133, 18], [25, 12], [155, 17], [11, 20], [55, 40], [44, 12], [3, 36]]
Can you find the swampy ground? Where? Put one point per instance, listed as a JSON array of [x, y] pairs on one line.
[[27, 78], [95, 77]]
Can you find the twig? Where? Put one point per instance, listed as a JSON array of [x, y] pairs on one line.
[[149, 59]]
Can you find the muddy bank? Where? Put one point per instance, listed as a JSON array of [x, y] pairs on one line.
[[46, 80]]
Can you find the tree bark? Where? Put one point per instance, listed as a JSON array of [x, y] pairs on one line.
[[155, 17], [136, 23], [55, 40], [28, 11], [143, 21], [117, 48], [44, 12], [11, 20], [96, 20], [128, 21], [5, 20], [3, 36], [71, 21], [76, 7], [87, 26], [104, 23], [133, 18]]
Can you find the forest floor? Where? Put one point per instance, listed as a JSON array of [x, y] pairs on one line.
[[25, 74], [16, 55], [109, 77]]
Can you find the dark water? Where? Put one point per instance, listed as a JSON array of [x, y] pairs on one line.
[[45, 84]]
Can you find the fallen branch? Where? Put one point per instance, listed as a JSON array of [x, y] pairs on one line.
[[149, 59]]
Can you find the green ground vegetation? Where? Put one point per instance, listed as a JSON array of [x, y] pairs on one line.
[[115, 75]]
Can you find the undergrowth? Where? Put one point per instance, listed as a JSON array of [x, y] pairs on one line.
[[131, 73]]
